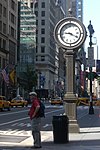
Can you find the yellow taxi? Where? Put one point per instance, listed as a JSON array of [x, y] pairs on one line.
[[86, 101], [4, 103], [56, 100], [82, 100], [18, 101], [97, 102]]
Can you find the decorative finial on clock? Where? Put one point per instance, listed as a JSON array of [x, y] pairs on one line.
[[70, 12]]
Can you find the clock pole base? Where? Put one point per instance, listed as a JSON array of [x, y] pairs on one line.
[[70, 111]]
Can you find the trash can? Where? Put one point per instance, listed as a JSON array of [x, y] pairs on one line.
[[60, 129]]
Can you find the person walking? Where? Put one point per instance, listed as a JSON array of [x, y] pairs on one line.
[[35, 120]]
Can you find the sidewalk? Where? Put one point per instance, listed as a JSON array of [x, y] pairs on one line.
[[87, 139]]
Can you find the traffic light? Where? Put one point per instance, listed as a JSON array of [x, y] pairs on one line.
[[91, 75]]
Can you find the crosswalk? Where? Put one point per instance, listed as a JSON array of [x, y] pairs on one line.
[[17, 128], [15, 132], [51, 106]]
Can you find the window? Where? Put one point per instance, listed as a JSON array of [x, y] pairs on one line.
[[36, 13], [4, 44], [12, 48], [36, 58], [4, 28], [36, 4], [0, 62], [42, 40], [36, 31], [26, 4], [37, 22], [43, 5], [36, 39], [42, 31], [42, 49], [12, 31], [42, 58], [0, 8], [3, 62], [0, 25], [4, 11], [36, 49], [43, 13], [12, 4], [31, 5], [0, 42], [42, 22], [12, 18]]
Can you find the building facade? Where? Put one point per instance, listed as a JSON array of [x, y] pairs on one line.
[[8, 38], [27, 33], [47, 53], [26, 43], [48, 56]]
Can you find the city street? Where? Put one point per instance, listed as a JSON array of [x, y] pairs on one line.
[[15, 129], [17, 122]]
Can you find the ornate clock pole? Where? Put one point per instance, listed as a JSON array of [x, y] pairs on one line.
[[70, 34]]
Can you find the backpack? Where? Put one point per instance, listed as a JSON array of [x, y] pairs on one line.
[[41, 112]]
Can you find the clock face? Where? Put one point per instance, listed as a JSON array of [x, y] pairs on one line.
[[70, 33]]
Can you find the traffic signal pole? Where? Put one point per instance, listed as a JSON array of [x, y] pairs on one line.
[[91, 109]]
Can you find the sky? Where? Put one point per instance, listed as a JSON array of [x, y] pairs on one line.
[[91, 11]]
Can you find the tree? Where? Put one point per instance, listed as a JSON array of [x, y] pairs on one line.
[[28, 79]]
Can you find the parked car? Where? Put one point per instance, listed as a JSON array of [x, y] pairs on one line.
[[4, 103], [18, 101], [57, 100]]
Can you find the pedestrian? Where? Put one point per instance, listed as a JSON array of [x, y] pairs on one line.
[[35, 120]]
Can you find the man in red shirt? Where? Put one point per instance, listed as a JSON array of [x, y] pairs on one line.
[[35, 120]]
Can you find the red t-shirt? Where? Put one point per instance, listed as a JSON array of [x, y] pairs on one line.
[[35, 103]]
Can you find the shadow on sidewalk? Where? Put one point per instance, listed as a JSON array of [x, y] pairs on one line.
[[73, 143], [50, 145]]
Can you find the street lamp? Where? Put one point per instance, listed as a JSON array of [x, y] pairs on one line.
[[91, 31]]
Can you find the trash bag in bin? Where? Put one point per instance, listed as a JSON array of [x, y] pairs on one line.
[[60, 129]]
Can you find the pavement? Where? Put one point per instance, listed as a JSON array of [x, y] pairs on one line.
[[87, 139]]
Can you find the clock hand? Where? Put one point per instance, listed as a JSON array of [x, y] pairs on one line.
[[71, 34], [75, 36]]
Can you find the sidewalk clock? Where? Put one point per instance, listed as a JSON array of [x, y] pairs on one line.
[[70, 33]]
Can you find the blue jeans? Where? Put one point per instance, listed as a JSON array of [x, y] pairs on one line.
[[36, 127]]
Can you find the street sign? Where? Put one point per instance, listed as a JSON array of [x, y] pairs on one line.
[[91, 56], [97, 65]]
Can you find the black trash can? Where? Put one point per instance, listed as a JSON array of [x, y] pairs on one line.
[[60, 129]]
